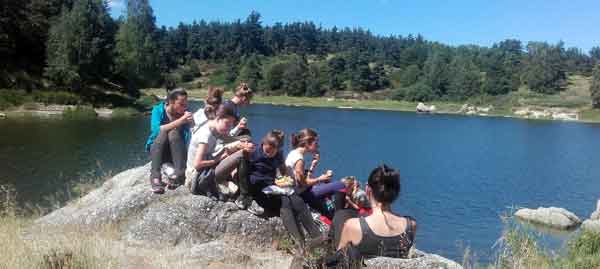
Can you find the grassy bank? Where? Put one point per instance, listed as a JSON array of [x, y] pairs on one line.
[[503, 106], [96, 103]]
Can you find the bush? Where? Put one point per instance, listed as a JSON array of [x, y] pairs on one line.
[[583, 251], [146, 102], [80, 113], [419, 92], [11, 98], [58, 97], [123, 112]]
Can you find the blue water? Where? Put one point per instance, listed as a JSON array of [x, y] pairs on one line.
[[459, 174]]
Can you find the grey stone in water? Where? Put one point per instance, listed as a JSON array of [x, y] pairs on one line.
[[596, 214], [591, 225], [554, 217]]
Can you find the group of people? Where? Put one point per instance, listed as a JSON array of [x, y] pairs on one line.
[[212, 153]]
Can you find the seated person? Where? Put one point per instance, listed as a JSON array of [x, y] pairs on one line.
[[261, 172], [313, 190], [169, 135], [203, 156], [211, 103], [383, 233]]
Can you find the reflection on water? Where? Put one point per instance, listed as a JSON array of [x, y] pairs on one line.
[[459, 174]]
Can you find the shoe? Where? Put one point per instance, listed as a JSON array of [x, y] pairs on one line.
[[243, 202], [157, 186], [255, 209]]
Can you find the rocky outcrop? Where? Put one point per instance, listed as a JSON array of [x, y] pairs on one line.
[[475, 110], [418, 260], [210, 234], [554, 217], [593, 223], [423, 108], [547, 113], [174, 217]]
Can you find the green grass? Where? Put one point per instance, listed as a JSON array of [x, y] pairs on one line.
[[80, 113], [519, 247]]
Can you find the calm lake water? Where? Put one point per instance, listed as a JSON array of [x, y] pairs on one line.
[[459, 174]]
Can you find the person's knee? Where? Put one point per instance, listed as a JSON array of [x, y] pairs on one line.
[[296, 202], [174, 135]]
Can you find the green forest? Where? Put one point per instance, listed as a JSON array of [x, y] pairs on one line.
[[76, 46]]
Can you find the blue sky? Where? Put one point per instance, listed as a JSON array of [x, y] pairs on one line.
[[454, 22]]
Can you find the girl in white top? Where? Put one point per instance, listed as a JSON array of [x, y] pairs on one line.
[[305, 141]]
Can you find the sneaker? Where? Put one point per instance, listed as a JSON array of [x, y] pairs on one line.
[[157, 186], [255, 209], [243, 202]]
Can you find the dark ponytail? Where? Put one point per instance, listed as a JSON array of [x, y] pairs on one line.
[[213, 100], [384, 183], [303, 138]]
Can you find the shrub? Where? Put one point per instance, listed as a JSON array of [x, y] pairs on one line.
[[11, 98], [80, 113], [58, 97]]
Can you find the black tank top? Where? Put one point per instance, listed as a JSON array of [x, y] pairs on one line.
[[388, 246]]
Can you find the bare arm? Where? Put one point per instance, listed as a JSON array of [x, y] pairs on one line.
[[351, 233], [305, 179], [199, 161]]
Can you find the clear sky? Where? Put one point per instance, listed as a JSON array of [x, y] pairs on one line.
[[454, 22]]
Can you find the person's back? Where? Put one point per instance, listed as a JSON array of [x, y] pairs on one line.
[[389, 238]]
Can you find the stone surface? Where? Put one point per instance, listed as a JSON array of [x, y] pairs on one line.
[[192, 231], [558, 218], [419, 260], [596, 214], [591, 225], [174, 217], [421, 107]]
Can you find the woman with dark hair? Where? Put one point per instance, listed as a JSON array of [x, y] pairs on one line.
[[383, 233], [202, 153], [169, 135], [213, 99], [260, 173], [313, 190], [241, 97]]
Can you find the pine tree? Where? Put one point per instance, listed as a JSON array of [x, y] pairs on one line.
[[137, 62], [79, 44], [250, 72]]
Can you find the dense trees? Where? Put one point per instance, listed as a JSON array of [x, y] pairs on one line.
[[595, 87], [75, 42], [80, 44]]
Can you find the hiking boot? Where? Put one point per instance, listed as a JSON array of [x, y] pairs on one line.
[[255, 208]]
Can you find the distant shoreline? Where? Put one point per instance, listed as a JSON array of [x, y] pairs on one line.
[[443, 108]]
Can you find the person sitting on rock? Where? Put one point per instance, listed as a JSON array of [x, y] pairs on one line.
[[214, 98], [169, 135], [242, 97], [203, 156], [261, 170], [313, 190], [383, 233]]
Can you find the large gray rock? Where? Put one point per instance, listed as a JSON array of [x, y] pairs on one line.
[[596, 214], [212, 234], [419, 260], [554, 217], [174, 217]]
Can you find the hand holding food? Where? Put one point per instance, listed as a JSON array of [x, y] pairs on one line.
[[284, 181]]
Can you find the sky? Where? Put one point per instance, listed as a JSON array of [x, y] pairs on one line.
[[453, 22]]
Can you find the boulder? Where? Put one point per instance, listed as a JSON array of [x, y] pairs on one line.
[[596, 214], [212, 234], [174, 217], [558, 218], [418, 260], [421, 107], [591, 225], [2, 115]]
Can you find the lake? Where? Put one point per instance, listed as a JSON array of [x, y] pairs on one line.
[[459, 174]]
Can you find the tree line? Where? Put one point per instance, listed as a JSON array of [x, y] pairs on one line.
[[73, 44]]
